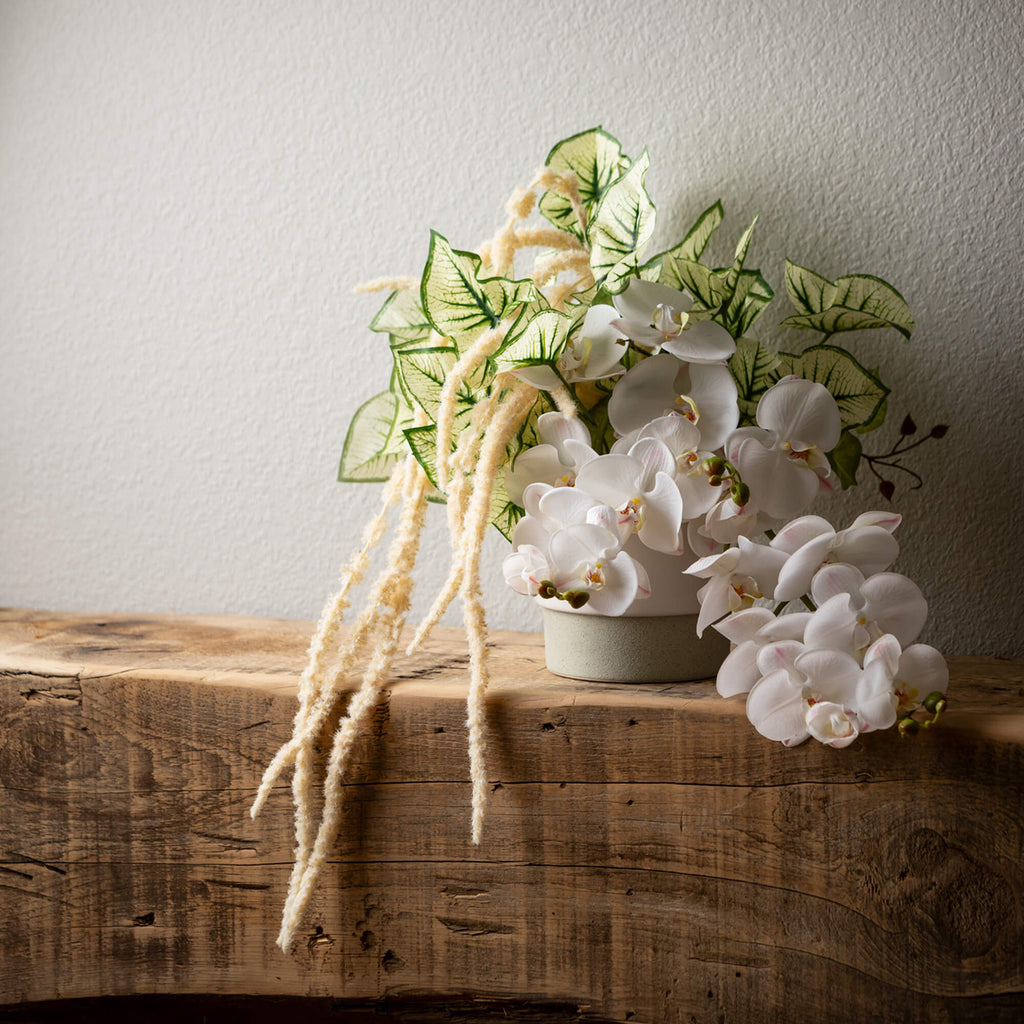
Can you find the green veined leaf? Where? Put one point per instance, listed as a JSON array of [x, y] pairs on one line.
[[621, 226], [374, 442], [861, 302], [541, 341], [707, 287], [845, 458], [693, 245], [596, 158], [422, 373], [877, 420], [460, 304], [755, 369], [422, 443], [402, 317], [753, 293], [857, 391], [732, 275], [809, 292]]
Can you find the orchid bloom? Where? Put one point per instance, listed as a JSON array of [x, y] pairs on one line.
[[593, 354], [810, 543], [582, 562], [565, 448], [912, 674], [661, 385], [750, 630], [735, 578], [657, 318], [641, 488], [782, 460]]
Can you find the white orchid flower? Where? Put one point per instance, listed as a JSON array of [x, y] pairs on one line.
[[641, 488], [912, 674], [782, 460], [682, 438], [811, 542], [657, 318], [726, 521], [736, 578], [564, 449], [584, 565], [593, 354], [661, 384], [853, 612], [752, 630]]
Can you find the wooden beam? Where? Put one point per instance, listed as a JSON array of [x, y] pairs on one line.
[[647, 856]]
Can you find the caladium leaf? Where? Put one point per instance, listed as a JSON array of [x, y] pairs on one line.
[[541, 341], [753, 293], [706, 286], [458, 302], [596, 158], [845, 459], [422, 374], [861, 302], [402, 317], [375, 442], [809, 292], [858, 392], [690, 248], [755, 369], [621, 226], [732, 274]]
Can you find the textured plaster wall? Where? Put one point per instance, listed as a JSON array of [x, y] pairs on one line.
[[190, 190]]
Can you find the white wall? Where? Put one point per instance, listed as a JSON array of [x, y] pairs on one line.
[[190, 189]]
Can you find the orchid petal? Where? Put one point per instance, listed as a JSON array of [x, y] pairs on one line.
[[776, 708], [795, 534], [741, 626], [838, 578], [834, 625], [831, 724], [738, 672], [796, 575], [897, 605], [871, 548], [832, 675], [802, 413], [701, 342]]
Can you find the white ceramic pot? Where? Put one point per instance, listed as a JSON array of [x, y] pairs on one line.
[[655, 641]]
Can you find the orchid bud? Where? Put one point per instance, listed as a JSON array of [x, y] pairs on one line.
[[546, 589], [576, 598], [908, 727], [740, 493], [935, 703], [714, 467]]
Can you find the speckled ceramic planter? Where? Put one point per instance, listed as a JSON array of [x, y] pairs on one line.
[[630, 649], [654, 642]]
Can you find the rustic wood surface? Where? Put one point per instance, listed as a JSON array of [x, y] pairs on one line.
[[647, 856]]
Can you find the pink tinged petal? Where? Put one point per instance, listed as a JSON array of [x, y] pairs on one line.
[[794, 535], [838, 578], [835, 625], [604, 516], [713, 390], [871, 548], [897, 605], [790, 626], [621, 586], [832, 675], [796, 575], [662, 515], [924, 668], [701, 342], [782, 656], [532, 496], [776, 709], [831, 724], [738, 672], [697, 542], [743, 625], [885, 651], [654, 457], [886, 520], [613, 479], [524, 569], [801, 413], [577, 454]]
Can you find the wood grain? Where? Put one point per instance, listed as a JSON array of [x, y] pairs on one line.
[[647, 856]]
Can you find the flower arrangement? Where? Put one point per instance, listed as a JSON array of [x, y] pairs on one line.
[[601, 401]]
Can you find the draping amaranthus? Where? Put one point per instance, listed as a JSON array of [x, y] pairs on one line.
[[633, 377]]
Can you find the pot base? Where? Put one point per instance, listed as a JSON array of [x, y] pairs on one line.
[[630, 649]]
